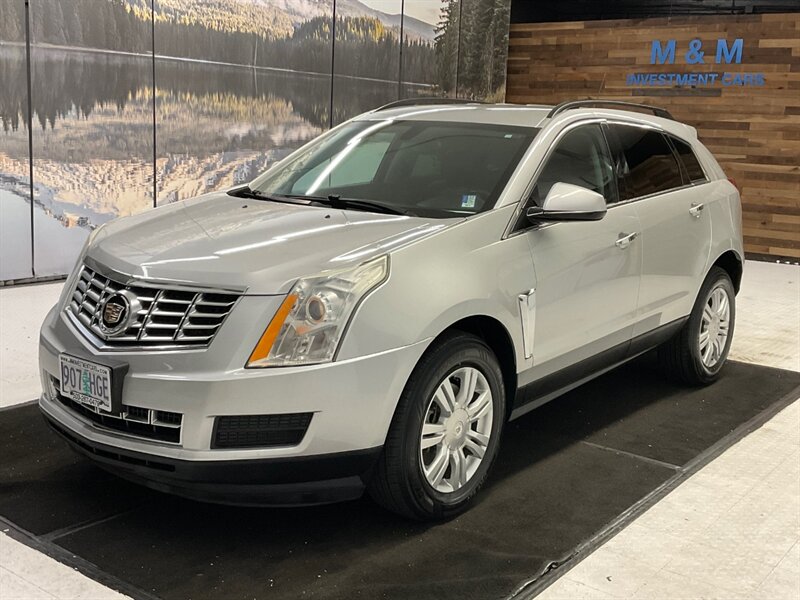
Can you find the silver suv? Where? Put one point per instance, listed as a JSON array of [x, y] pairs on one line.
[[371, 311]]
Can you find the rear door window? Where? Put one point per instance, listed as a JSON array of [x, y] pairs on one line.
[[645, 161]]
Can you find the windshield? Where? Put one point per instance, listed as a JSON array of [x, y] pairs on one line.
[[425, 168]]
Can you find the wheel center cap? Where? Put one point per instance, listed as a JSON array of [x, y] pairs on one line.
[[456, 428], [713, 327]]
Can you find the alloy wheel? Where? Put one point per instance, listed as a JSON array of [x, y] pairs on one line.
[[456, 430], [714, 327]]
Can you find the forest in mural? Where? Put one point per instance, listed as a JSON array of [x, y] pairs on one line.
[[232, 86], [474, 35]]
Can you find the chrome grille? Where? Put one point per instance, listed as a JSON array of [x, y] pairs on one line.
[[168, 317]]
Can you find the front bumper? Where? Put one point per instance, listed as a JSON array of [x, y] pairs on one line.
[[256, 482], [352, 402]]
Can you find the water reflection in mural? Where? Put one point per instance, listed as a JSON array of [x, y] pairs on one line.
[[222, 124], [15, 206], [92, 145], [238, 84], [93, 127]]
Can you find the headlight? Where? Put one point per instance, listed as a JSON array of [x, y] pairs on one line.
[[310, 322]]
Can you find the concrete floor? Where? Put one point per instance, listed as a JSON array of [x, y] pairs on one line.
[[730, 531]]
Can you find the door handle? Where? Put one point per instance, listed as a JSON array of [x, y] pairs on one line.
[[625, 239], [696, 209]]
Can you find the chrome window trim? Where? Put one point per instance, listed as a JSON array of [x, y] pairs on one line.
[[685, 186], [667, 134], [588, 121]]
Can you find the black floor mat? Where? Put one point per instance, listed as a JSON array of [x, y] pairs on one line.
[[565, 470]]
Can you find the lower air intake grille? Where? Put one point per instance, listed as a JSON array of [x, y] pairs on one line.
[[159, 425], [260, 431]]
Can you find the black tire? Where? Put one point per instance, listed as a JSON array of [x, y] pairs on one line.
[[398, 482], [681, 357]]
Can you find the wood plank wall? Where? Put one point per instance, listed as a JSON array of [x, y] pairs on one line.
[[753, 131]]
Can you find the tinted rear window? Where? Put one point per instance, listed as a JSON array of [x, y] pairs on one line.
[[690, 162], [646, 163]]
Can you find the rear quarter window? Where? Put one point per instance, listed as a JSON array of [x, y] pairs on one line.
[[645, 161], [693, 168]]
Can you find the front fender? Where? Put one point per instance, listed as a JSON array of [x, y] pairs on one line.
[[464, 271]]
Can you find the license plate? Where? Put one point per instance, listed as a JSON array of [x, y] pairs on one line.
[[86, 382]]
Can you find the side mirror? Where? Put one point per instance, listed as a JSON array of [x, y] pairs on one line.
[[567, 202]]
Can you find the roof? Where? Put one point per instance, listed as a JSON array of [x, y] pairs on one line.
[[500, 114], [522, 115]]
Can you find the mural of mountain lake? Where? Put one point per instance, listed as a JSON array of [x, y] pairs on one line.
[[58, 242], [93, 135]]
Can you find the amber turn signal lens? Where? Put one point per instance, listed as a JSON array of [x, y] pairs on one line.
[[264, 345]]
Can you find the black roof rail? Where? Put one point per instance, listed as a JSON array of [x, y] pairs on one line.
[[571, 104], [424, 102]]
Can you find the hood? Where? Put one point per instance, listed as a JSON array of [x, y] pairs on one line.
[[222, 241]]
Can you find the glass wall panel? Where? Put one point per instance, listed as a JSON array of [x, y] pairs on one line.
[[447, 46], [367, 62], [483, 49], [430, 45], [93, 120], [15, 200], [238, 87]]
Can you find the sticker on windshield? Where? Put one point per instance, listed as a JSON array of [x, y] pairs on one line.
[[468, 200]]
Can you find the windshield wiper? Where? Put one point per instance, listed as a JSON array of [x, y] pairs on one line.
[[335, 201], [246, 192]]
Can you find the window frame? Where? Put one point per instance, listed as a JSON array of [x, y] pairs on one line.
[[669, 136], [617, 146], [519, 222]]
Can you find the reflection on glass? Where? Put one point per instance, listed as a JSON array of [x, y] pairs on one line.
[[419, 168]]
